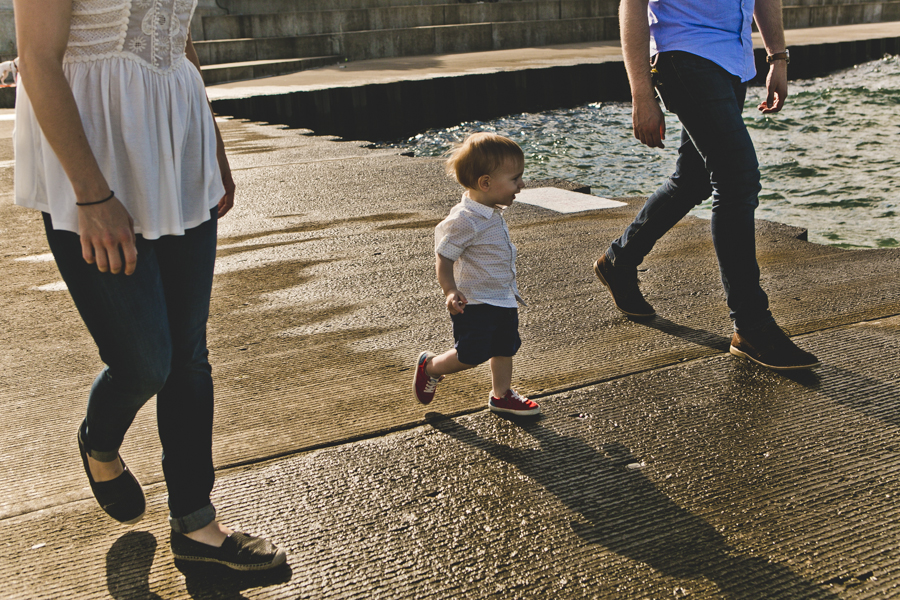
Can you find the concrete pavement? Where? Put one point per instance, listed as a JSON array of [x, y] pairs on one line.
[[663, 466]]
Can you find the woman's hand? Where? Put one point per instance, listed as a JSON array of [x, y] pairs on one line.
[[107, 236], [227, 200]]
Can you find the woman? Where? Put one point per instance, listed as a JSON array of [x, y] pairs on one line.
[[110, 97]]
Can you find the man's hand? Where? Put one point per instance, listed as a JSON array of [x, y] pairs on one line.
[[107, 236], [456, 302], [648, 122], [776, 88]]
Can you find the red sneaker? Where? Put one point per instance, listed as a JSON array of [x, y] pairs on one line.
[[514, 404], [423, 383]]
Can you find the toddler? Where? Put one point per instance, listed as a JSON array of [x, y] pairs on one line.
[[476, 269]]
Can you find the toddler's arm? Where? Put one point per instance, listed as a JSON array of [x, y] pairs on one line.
[[456, 301]]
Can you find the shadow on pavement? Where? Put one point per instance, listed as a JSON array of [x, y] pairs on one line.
[[215, 582], [689, 334], [869, 396], [130, 558], [623, 511], [128, 564]]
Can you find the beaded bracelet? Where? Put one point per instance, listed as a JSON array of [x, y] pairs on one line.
[[111, 194]]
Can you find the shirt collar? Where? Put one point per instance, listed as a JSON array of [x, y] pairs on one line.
[[485, 211]]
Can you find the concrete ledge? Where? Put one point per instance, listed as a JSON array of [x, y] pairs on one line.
[[262, 68], [396, 109]]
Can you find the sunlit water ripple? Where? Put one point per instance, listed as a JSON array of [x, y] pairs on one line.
[[827, 160]]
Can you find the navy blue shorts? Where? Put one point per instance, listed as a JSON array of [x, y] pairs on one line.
[[484, 331]]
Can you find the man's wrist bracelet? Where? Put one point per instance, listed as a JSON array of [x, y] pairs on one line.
[[785, 56], [111, 194]]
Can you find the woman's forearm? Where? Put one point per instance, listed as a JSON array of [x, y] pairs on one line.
[[42, 34]]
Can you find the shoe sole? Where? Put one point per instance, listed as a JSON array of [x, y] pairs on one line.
[[521, 413], [737, 352], [605, 283], [423, 356], [279, 559]]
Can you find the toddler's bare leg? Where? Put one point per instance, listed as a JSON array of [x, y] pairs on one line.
[[445, 364], [501, 375]]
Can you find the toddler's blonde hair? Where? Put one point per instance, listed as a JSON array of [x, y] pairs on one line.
[[481, 154]]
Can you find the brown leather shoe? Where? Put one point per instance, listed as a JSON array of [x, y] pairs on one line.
[[622, 283], [770, 347]]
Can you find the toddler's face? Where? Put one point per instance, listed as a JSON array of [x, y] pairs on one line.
[[506, 182]]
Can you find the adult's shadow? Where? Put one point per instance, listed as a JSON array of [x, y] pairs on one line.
[[623, 511], [701, 337], [128, 564]]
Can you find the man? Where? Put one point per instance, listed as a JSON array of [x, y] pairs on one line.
[[701, 58]]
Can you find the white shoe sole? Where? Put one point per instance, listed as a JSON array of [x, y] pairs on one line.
[[524, 413]]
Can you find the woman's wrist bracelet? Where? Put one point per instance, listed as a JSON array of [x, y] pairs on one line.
[[111, 194]]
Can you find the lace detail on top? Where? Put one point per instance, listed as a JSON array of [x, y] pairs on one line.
[[153, 32]]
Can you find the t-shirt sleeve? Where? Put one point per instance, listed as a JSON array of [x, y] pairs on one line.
[[453, 235]]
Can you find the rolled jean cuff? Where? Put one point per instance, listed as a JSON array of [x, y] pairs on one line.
[[103, 456], [754, 326], [98, 455], [194, 521]]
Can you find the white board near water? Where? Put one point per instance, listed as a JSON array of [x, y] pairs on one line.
[[564, 201]]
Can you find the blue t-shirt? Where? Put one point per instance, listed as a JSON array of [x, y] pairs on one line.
[[715, 30]]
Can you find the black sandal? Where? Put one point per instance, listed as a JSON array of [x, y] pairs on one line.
[[121, 498]]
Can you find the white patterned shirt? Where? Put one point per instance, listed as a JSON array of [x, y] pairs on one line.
[[475, 237]]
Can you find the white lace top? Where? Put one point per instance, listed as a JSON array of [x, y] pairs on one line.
[[143, 106]]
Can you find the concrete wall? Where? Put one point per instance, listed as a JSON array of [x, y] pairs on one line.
[[7, 30], [8, 27], [306, 22], [250, 7], [817, 14], [416, 41]]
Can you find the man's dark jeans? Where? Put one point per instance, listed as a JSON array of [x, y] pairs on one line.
[[716, 156], [150, 328]]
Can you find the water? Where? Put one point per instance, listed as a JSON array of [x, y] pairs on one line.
[[827, 160]]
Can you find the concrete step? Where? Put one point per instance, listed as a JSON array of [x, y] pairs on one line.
[[255, 69], [250, 7], [443, 39], [822, 2], [308, 22], [844, 13]]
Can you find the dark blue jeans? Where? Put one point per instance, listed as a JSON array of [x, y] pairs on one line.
[[150, 329], [716, 156]]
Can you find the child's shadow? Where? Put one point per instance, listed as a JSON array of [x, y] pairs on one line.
[[627, 514], [130, 558]]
